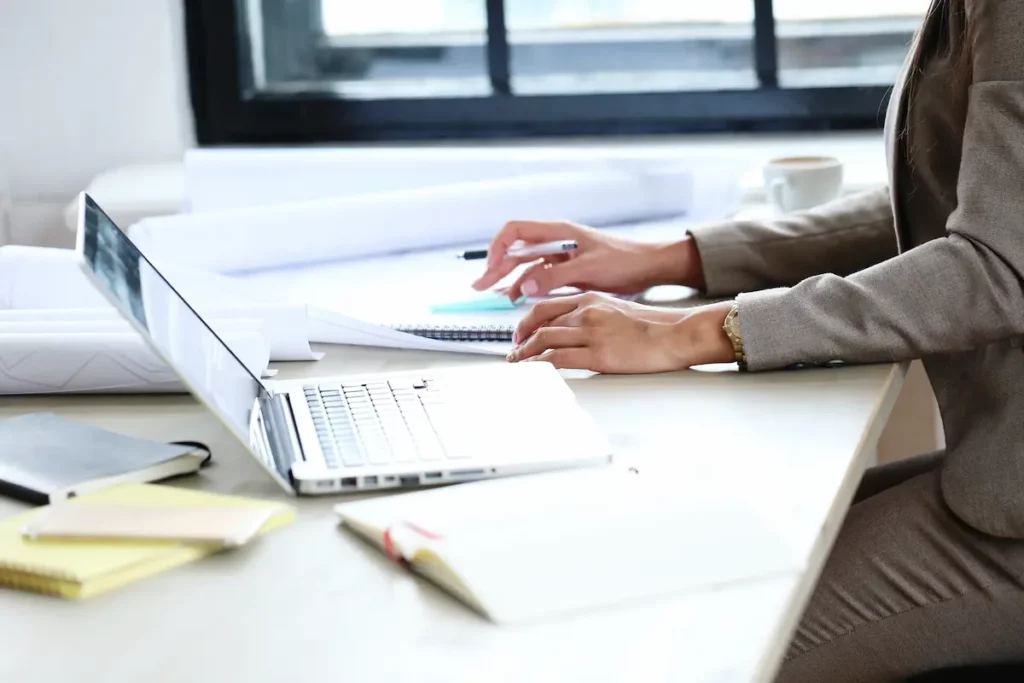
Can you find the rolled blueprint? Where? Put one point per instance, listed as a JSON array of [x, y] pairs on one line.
[[407, 220], [222, 178]]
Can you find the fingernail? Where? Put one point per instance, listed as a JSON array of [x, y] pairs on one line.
[[530, 287], [476, 285], [511, 357]]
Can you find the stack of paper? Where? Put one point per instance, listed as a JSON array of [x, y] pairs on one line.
[[41, 353], [59, 334]]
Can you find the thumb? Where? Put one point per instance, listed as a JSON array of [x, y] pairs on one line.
[[541, 278]]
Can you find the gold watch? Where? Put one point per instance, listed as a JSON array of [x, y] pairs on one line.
[[732, 331]]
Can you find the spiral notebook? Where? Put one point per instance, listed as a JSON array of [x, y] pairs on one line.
[[482, 317], [459, 333]]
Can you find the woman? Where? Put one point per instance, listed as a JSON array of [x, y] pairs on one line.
[[928, 571]]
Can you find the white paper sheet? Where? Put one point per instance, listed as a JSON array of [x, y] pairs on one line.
[[56, 361], [39, 277], [46, 284], [217, 179], [356, 227]]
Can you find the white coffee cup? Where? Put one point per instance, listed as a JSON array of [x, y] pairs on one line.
[[797, 183]]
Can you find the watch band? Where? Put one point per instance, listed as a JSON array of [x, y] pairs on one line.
[[732, 330]]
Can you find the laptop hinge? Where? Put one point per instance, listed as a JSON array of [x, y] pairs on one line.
[[282, 436]]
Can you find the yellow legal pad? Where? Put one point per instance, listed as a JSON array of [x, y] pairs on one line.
[[78, 569]]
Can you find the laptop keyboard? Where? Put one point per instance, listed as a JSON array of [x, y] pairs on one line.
[[381, 423]]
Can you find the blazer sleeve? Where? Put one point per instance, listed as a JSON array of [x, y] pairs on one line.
[[952, 294], [841, 237]]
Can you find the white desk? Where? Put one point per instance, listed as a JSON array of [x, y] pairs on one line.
[[313, 603]]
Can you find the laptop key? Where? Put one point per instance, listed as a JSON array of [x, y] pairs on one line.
[[353, 457], [400, 385]]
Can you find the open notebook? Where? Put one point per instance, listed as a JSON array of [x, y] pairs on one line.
[[525, 547]]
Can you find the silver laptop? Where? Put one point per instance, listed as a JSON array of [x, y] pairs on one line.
[[353, 432]]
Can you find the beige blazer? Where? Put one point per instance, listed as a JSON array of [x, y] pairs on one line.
[[931, 267]]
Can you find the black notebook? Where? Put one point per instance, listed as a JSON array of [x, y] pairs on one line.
[[45, 458]]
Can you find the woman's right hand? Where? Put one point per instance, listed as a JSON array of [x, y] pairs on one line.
[[600, 262]]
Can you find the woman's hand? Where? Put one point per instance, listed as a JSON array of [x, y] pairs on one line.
[[605, 334], [600, 262]]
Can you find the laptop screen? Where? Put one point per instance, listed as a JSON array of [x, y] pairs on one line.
[[201, 359]]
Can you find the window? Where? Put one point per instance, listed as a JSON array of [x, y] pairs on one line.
[[332, 70]]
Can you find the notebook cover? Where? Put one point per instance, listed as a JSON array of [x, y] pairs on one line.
[[80, 569], [41, 453]]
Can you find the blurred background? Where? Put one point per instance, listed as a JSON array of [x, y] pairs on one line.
[[394, 48], [87, 87]]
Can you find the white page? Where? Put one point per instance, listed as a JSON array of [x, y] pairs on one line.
[[392, 289], [285, 327], [103, 362], [39, 277], [354, 227], [39, 283], [218, 179], [540, 544]]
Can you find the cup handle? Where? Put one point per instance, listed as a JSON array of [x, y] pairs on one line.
[[777, 193]]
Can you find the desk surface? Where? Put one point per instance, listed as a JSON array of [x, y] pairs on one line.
[[312, 602]]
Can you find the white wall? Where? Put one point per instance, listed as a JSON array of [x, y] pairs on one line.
[[85, 85]]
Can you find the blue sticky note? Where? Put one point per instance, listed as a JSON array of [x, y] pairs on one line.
[[486, 301]]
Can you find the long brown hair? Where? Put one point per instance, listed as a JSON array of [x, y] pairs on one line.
[[934, 37]]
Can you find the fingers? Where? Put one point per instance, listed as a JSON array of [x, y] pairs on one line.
[[544, 312], [494, 275], [549, 338], [568, 358], [498, 266], [541, 278], [527, 231]]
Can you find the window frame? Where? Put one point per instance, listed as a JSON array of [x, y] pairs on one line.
[[228, 110]]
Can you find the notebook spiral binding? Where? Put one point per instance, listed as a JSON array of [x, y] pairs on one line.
[[460, 333]]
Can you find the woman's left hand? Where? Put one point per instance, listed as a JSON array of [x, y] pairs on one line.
[[604, 334]]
